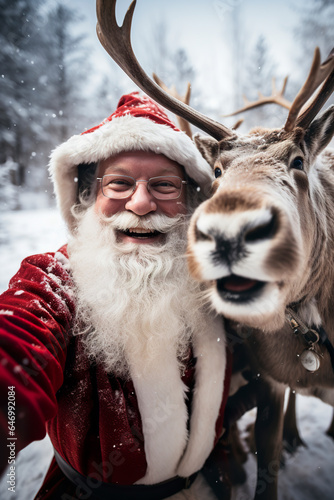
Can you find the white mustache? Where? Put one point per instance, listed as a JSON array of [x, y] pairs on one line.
[[155, 222]]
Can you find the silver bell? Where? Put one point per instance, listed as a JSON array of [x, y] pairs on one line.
[[310, 360]]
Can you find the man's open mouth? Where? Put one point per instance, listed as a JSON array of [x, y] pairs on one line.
[[140, 233], [239, 289]]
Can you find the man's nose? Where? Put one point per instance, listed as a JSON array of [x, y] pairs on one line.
[[141, 201]]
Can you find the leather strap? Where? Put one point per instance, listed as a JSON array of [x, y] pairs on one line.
[[107, 491]]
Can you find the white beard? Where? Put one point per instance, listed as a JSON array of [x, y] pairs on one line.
[[136, 303], [141, 312]]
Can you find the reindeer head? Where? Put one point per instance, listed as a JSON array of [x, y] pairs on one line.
[[253, 241]]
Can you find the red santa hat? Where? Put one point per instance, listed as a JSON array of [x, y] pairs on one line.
[[137, 124]]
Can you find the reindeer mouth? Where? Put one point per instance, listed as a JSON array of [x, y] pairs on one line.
[[235, 288]]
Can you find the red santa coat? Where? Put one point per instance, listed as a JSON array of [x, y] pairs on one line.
[[91, 416]]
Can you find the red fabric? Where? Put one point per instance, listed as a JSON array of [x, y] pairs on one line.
[[227, 381], [138, 106], [35, 317], [99, 413], [92, 417]]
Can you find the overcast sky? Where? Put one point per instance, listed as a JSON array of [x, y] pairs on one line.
[[199, 25], [205, 29]]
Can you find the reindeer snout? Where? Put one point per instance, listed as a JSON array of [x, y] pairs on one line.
[[242, 242], [231, 234], [262, 228]]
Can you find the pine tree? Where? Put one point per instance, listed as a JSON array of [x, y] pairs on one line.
[[315, 29], [316, 26], [20, 39], [257, 78], [66, 74]]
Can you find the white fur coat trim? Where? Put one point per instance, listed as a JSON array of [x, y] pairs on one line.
[[210, 352], [125, 133], [161, 400]]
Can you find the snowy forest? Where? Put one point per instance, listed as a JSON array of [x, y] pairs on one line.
[[51, 83]]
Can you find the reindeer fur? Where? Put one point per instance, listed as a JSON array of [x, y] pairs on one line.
[[268, 221]]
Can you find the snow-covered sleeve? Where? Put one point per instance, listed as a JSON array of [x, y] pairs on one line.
[[36, 315]]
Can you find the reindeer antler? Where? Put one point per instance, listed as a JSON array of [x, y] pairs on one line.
[[172, 90], [318, 73], [116, 41], [183, 124], [300, 114], [276, 97]]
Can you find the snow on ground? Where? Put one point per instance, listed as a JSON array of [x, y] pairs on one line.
[[24, 233], [307, 475]]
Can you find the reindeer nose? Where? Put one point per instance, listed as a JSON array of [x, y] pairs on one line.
[[262, 228], [250, 228], [231, 236]]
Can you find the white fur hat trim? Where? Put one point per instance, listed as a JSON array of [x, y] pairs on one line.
[[124, 133]]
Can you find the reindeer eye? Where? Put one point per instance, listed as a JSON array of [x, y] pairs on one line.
[[218, 172], [297, 163]]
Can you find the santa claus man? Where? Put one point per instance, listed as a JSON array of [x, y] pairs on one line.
[[107, 343]]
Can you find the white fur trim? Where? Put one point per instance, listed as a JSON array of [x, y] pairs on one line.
[[125, 133], [210, 352], [161, 401]]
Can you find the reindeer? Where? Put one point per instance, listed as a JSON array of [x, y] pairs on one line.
[[238, 405], [263, 243], [291, 435]]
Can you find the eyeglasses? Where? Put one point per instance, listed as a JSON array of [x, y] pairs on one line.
[[117, 187]]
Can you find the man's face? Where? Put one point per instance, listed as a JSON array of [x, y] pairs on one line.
[[141, 165]]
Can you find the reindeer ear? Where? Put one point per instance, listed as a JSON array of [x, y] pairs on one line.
[[208, 147], [320, 132]]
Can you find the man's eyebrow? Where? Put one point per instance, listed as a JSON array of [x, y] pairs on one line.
[[112, 168], [168, 171]]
